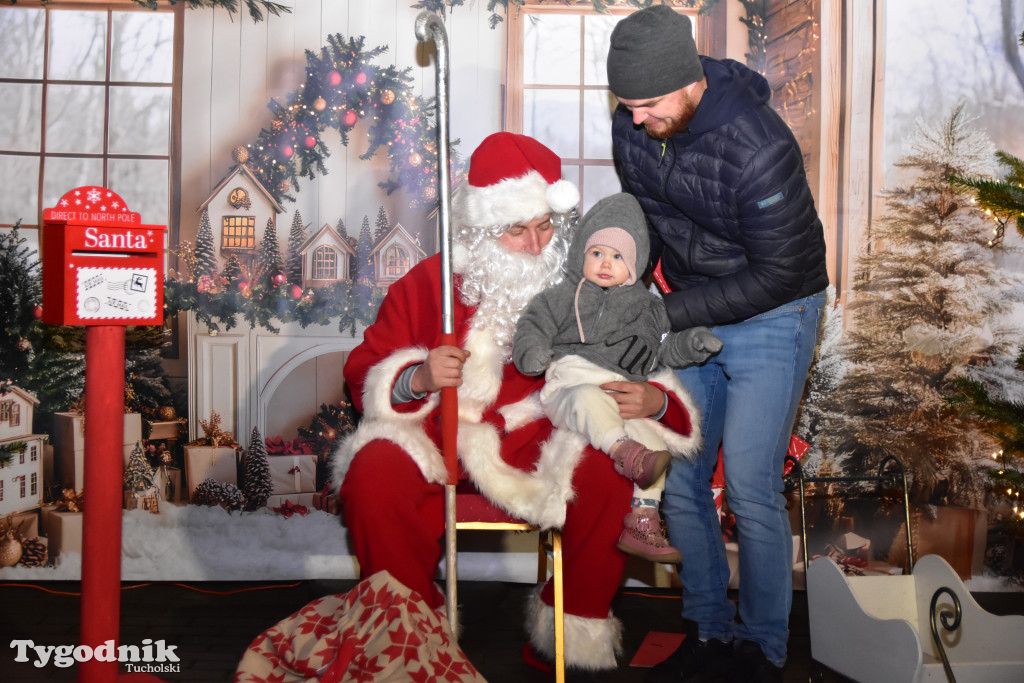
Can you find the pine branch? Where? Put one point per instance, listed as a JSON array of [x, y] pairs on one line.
[[255, 7]]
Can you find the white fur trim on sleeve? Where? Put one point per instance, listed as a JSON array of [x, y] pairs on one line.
[[381, 379]]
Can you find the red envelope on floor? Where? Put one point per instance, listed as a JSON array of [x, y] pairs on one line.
[[657, 646]]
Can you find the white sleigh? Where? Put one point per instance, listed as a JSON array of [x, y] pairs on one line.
[[877, 629]]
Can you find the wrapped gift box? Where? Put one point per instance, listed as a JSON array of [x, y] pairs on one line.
[[168, 483], [292, 473], [25, 523], [63, 531], [68, 440], [147, 500], [276, 501], [328, 502], [207, 462]]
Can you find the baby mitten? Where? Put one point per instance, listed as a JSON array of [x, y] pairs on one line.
[[689, 347]]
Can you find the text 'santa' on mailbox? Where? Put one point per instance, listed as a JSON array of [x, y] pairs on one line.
[[101, 264]]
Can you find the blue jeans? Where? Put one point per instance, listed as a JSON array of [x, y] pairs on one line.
[[748, 395]]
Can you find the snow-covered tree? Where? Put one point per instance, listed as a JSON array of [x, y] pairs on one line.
[[928, 301], [205, 252], [258, 483], [138, 474], [296, 238], [381, 225], [269, 261]]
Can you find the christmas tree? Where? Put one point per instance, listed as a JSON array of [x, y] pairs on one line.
[[138, 474], [204, 252], [257, 484], [146, 385], [362, 291], [232, 269], [45, 360], [22, 294], [296, 239], [929, 301], [269, 262], [381, 225]]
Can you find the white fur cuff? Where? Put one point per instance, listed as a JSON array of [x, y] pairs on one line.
[[590, 644]]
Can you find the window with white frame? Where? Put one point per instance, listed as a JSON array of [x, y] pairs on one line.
[[325, 263], [88, 96], [557, 85], [396, 261]]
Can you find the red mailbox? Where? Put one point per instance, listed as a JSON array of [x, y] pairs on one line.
[[101, 265]]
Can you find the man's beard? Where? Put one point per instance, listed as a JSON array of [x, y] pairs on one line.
[[675, 123], [500, 283]]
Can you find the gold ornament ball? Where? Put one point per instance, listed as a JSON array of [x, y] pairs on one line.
[[387, 97], [415, 159], [10, 550], [240, 155], [167, 413], [319, 104], [276, 126]]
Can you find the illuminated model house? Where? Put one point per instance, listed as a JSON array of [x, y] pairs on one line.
[[394, 255], [326, 258], [241, 206], [21, 453]]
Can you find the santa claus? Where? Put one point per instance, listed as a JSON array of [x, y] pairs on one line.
[[511, 223]]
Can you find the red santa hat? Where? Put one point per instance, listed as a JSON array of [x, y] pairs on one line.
[[514, 179]]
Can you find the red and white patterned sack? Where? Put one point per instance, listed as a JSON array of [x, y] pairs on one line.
[[379, 631]]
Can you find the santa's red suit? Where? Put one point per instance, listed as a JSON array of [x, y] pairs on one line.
[[392, 470]]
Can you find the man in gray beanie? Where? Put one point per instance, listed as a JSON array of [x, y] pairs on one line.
[[740, 250]]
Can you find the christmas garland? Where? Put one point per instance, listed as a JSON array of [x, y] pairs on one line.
[[343, 88], [442, 6], [255, 7]]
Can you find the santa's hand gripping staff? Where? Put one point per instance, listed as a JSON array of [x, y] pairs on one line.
[[511, 224]]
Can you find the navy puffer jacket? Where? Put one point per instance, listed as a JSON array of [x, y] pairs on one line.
[[730, 212]]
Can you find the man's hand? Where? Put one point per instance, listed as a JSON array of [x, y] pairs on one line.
[[635, 399], [443, 368]]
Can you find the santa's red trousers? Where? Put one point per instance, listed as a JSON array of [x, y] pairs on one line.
[[395, 519]]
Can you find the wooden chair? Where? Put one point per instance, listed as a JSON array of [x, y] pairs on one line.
[[474, 512]]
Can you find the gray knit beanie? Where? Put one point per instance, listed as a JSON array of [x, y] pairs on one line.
[[652, 53]]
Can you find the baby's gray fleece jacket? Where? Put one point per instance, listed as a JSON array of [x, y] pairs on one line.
[[622, 327]]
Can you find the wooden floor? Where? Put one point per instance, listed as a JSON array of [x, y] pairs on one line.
[[211, 624]]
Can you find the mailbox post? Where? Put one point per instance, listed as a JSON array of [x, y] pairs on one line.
[[102, 268]]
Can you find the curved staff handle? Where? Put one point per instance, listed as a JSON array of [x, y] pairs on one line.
[[429, 26]]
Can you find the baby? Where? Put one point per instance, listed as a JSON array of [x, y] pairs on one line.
[[600, 325]]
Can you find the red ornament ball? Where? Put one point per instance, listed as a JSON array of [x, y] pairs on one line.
[[361, 78], [310, 141], [296, 291], [335, 78], [350, 118], [37, 312], [288, 150], [278, 278]]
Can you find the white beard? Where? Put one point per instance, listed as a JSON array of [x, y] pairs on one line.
[[500, 283]]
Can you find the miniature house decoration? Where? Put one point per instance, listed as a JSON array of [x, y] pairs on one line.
[[241, 206], [394, 255], [21, 452], [326, 258]]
